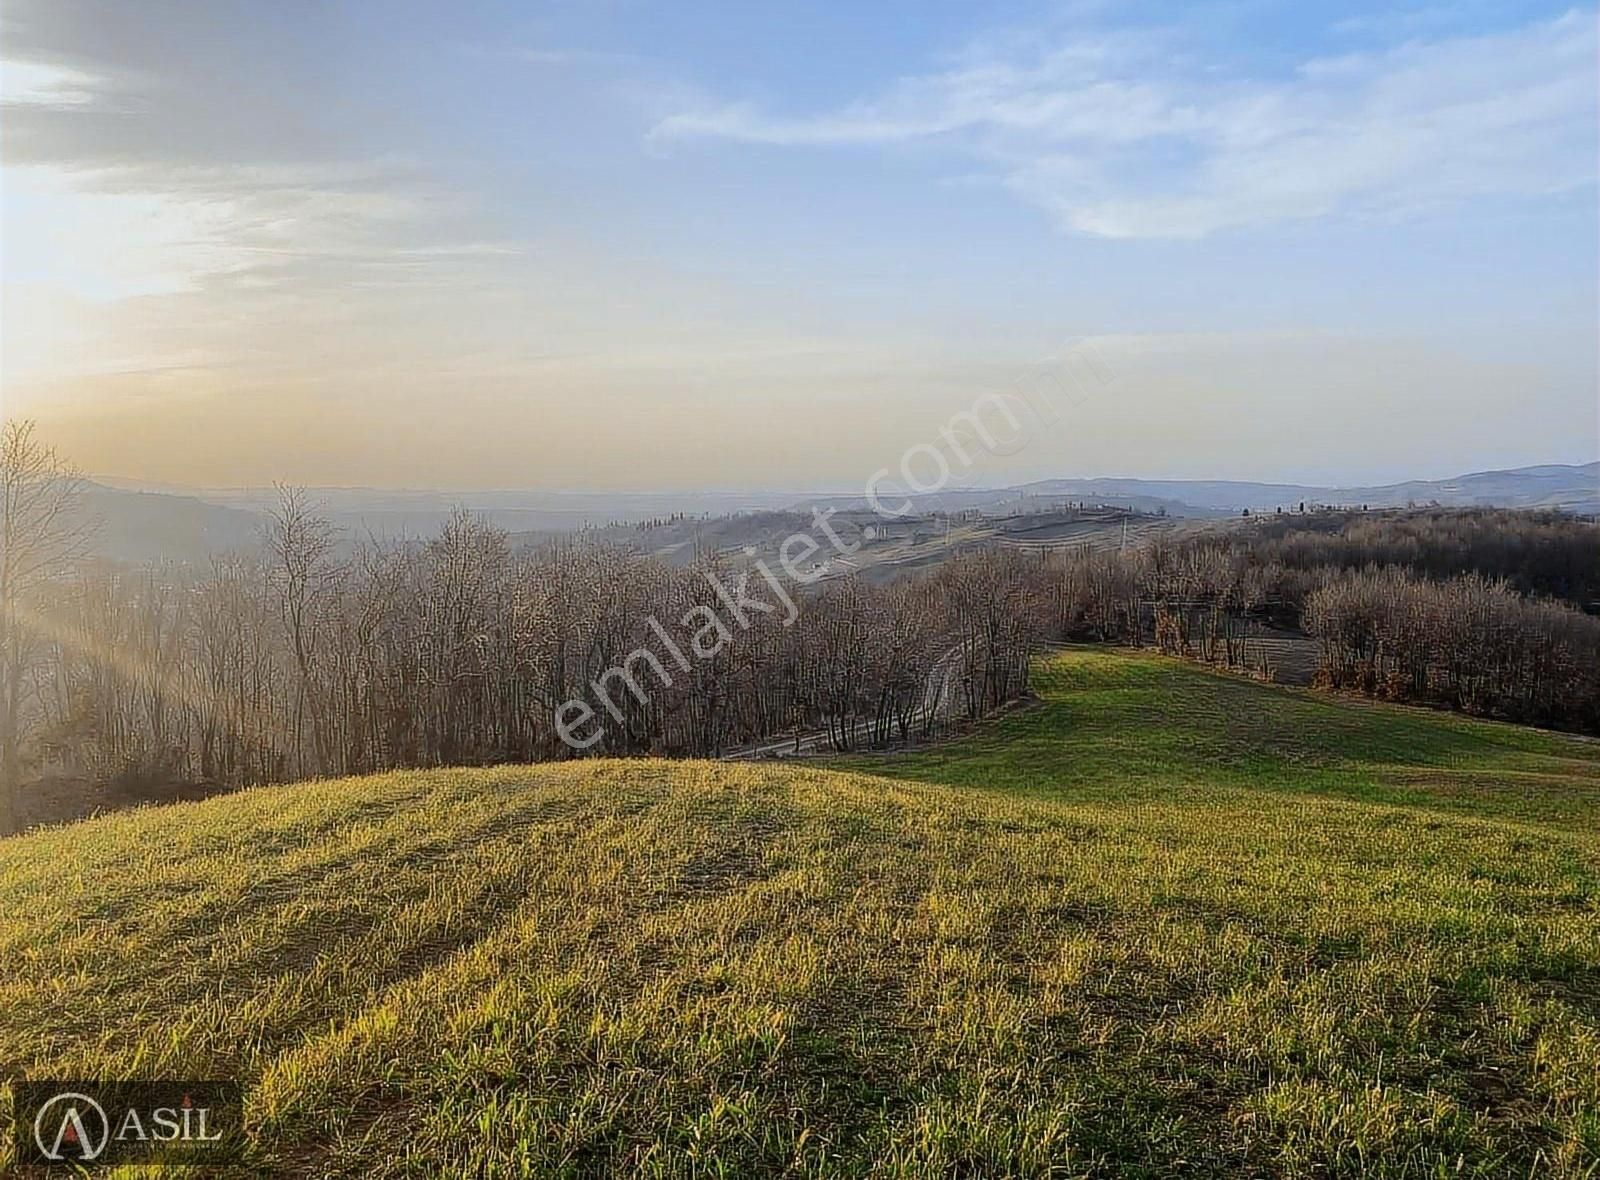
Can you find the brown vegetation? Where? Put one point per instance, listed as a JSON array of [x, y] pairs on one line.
[[1469, 643], [304, 661], [314, 657], [1541, 553]]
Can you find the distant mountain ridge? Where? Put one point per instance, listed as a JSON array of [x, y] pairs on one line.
[[141, 524], [1572, 488], [1553, 486]]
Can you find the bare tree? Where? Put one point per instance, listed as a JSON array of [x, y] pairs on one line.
[[41, 534], [300, 544]]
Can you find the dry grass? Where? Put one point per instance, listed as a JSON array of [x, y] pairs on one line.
[[1168, 923]]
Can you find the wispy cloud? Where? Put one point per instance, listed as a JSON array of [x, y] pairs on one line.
[[101, 206], [39, 84], [1125, 134], [125, 231]]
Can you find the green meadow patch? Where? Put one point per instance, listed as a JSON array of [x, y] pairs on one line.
[[1162, 922]]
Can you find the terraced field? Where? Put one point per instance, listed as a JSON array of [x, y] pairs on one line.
[[1163, 922]]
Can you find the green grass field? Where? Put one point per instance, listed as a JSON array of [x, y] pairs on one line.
[[1161, 923]]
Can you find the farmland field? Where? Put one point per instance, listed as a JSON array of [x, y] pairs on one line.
[[1159, 922]]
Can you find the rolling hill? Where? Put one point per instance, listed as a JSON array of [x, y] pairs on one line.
[[1570, 488], [1162, 922], [158, 526], [161, 522], [882, 549]]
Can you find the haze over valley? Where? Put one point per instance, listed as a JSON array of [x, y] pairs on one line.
[[145, 522]]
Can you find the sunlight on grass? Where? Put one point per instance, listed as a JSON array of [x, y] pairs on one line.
[[1188, 924]]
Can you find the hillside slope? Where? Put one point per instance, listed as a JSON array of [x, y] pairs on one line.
[[1162, 922]]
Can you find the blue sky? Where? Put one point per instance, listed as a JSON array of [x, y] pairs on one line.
[[588, 244]]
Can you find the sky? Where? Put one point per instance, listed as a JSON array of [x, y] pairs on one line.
[[618, 245]]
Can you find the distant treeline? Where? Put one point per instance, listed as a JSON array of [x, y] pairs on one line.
[[1539, 553]]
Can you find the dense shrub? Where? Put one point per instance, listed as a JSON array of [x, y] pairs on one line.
[[1538, 553], [1469, 643]]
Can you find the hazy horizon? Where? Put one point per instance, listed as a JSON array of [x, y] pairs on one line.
[[134, 483], [595, 248]]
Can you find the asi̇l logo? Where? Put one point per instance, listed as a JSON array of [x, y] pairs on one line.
[[87, 1125], [71, 1126]]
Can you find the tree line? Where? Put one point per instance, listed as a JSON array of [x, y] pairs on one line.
[[1549, 554], [1460, 636], [1467, 642], [315, 656]]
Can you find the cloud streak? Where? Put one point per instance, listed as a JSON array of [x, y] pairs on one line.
[[1125, 135]]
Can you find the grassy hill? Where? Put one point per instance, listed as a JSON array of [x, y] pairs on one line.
[[1163, 922]]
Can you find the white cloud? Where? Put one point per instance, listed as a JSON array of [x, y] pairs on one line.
[[130, 259], [116, 233], [1124, 135], [97, 246], [99, 217], [41, 84]]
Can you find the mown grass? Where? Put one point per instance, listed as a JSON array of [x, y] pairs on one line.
[[1162, 923]]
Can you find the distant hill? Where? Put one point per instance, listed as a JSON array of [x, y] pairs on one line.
[[155, 526], [145, 522], [1573, 488], [883, 549], [390, 512], [1570, 488]]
